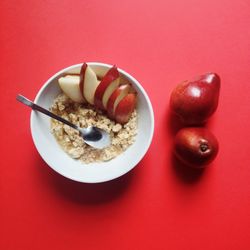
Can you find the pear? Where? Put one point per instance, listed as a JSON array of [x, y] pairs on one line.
[[194, 101], [195, 146], [70, 86]]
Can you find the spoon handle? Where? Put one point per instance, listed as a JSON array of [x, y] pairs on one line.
[[34, 106]]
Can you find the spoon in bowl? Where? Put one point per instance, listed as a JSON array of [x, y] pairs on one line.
[[93, 136]]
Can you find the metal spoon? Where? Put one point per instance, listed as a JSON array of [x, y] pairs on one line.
[[93, 136]]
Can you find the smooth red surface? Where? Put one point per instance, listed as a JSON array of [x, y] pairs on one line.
[[158, 205]]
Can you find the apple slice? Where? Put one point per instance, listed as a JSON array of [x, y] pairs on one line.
[[88, 83], [70, 86], [108, 84], [125, 108], [115, 98]]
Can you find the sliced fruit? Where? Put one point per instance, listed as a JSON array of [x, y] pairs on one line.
[[88, 83], [125, 108], [115, 98], [70, 86], [106, 87]]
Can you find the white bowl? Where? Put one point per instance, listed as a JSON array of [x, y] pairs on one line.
[[61, 162]]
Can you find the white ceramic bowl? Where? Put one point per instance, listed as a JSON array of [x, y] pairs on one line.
[[61, 162]]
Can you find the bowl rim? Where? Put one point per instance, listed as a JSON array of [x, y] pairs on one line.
[[151, 114]]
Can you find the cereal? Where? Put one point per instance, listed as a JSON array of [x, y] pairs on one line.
[[83, 115]]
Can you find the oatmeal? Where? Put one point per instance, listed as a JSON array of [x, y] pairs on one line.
[[84, 115]]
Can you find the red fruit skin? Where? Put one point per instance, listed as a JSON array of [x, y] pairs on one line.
[[112, 100], [188, 146], [109, 77], [125, 108], [82, 76], [110, 105], [196, 100]]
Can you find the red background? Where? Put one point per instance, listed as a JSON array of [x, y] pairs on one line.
[[158, 205]]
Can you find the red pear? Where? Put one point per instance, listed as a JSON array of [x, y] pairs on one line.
[[108, 84], [196, 100], [125, 108], [195, 146], [115, 98], [88, 83]]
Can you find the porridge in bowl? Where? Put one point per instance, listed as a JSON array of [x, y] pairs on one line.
[[103, 102]]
